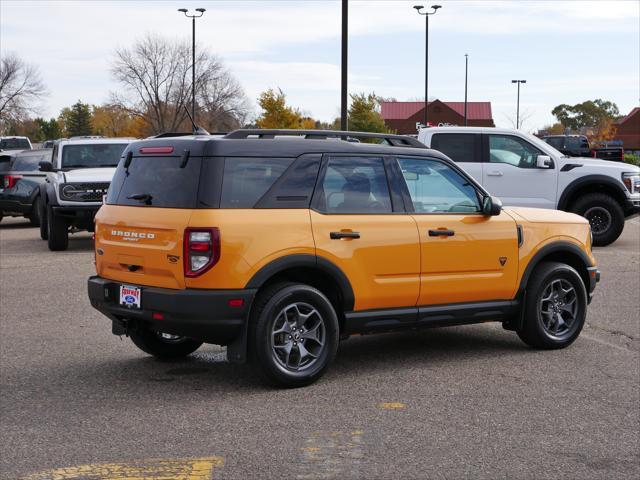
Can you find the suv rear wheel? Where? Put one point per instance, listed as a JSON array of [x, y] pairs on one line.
[[293, 334], [604, 214], [34, 216], [57, 232], [162, 345], [555, 307], [42, 213]]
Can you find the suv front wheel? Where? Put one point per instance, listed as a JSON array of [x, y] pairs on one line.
[[555, 307], [605, 216], [294, 334]]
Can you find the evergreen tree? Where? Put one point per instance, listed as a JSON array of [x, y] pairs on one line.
[[78, 120]]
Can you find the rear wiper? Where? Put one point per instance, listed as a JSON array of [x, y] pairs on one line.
[[142, 197]]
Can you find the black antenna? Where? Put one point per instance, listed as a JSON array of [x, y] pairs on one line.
[[196, 129]]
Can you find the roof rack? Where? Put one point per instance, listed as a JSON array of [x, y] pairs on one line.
[[184, 134], [391, 139]]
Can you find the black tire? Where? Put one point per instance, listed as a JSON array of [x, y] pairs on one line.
[[604, 214], [536, 332], [270, 308], [57, 232], [44, 227], [34, 217], [151, 342]]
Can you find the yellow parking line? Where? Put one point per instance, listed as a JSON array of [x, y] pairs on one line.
[[152, 469], [392, 405]]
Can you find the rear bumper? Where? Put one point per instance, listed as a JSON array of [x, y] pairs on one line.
[[14, 206], [200, 314]]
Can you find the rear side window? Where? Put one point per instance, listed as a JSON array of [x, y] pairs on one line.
[[29, 162], [555, 142], [355, 185], [246, 180], [459, 147], [156, 182]]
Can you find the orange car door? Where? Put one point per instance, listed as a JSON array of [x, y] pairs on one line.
[[361, 227], [466, 256]]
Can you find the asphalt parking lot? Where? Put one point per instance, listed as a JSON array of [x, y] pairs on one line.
[[466, 402]]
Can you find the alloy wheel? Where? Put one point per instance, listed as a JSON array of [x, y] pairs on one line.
[[599, 218], [559, 308]]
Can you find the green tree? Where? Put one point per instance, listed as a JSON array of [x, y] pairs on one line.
[[77, 120], [364, 115], [276, 113], [49, 130], [590, 114]]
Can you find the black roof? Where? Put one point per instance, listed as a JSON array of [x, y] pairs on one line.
[[286, 143]]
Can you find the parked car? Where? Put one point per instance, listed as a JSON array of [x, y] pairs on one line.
[[77, 178], [14, 143], [525, 171], [19, 191], [277, 247], [579, 146]]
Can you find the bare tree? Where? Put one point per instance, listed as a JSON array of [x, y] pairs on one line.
[[525, 115], [21, 89], [156, 76]]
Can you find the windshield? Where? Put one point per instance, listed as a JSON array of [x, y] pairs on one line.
[[92, 155], [14, 144]]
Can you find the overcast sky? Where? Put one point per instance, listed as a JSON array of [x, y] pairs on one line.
[[567, 51]]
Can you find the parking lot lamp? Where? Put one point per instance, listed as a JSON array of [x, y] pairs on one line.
[[518, 103], [426, 55], [193, 55], [466, 76]]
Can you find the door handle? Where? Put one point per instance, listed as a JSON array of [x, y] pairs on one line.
[[339, 235], [443, 232], [495, 173]]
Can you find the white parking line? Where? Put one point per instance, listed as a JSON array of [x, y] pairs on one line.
[[609, 344]]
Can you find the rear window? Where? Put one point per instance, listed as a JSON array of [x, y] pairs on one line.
[[92, 155], [29, 162], [555, 142], [459, 147], [156, 182], [246, 180], [14, 144]]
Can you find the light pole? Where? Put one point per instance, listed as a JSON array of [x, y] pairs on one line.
[[343, 86], [193, 55], [518, 104], [466, 76], [426, 55]]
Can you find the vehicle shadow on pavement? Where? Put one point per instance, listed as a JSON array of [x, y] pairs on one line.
[[208, 371], [4, 225]]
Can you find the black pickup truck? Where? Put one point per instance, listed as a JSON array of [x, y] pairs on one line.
[[20, 178], [578, 146]]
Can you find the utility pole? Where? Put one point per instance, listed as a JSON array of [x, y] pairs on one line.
[[466, 76], [518, 103], [343, 86]]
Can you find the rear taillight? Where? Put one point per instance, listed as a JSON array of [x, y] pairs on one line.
[[11, 180], [201, 250]]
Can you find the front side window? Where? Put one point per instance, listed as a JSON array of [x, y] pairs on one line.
[[459, 147], [355, 185], [92, 155], [512, 150], [435, 187]]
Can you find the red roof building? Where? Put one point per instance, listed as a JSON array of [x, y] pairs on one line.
[[403, 116], [628, 130]]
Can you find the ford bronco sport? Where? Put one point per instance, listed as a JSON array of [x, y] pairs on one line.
[[278, 246]]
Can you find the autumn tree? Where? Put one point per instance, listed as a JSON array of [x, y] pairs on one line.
[[364, 114], [276, 113], [113, 120], [155, 75], [587, 114], [21, 89]]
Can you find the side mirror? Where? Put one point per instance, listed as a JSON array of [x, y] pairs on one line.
[[46, 166], [543, 161], [491, 206]]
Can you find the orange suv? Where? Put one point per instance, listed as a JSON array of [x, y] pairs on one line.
[[280, 243]]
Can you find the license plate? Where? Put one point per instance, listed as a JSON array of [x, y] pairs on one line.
[[130, 296]]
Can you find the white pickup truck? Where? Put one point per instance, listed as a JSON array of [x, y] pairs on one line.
[[523, 170], [78, 176]]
